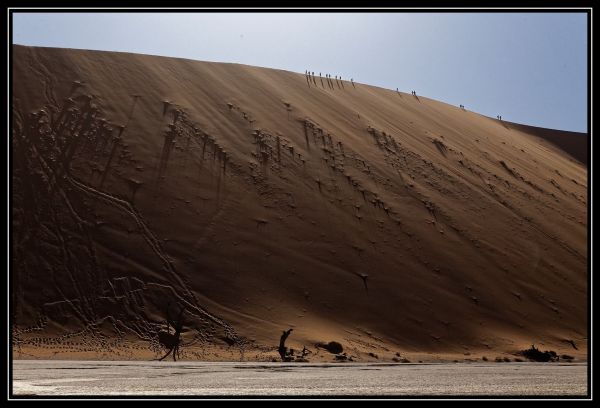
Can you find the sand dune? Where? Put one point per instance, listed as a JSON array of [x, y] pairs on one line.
[[573, 143], [386, 222]]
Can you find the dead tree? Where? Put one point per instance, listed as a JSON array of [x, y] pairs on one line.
[[170, 340], [282, 348], [305, 351]]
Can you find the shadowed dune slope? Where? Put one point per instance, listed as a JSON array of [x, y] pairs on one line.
[[573, 143], [260, 200]]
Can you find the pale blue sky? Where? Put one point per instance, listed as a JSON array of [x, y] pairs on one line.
[[530, 68]]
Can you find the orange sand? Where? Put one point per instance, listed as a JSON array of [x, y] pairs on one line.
[[260, 203]]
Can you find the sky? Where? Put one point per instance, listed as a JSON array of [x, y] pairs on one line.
[[531, 68]]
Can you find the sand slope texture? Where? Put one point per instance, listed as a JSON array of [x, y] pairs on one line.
[[261, 200]]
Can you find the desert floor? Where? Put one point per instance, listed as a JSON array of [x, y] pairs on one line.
[[94, 378]]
